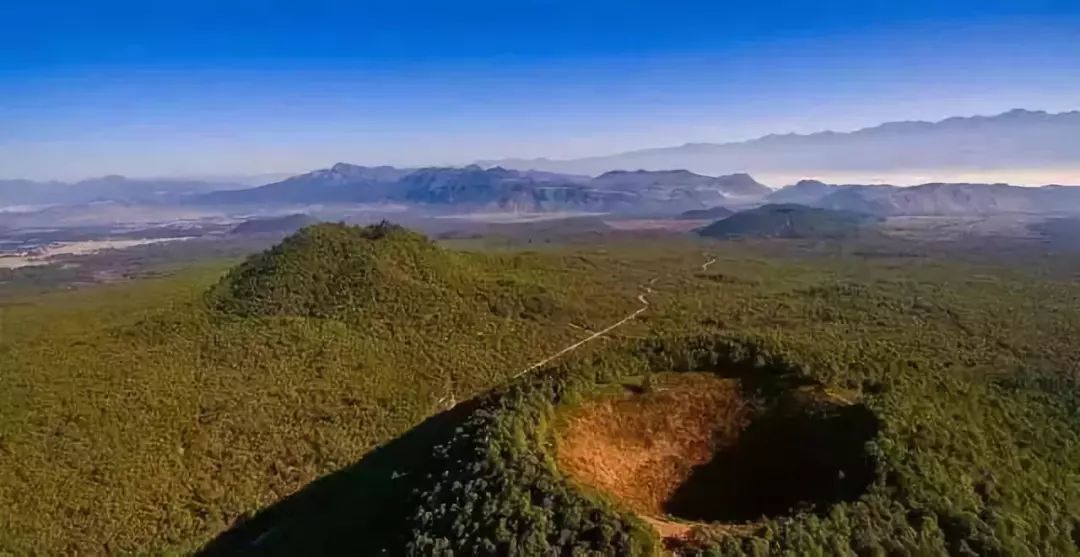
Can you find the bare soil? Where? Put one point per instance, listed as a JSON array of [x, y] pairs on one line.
[[640, 447], [696, 450]]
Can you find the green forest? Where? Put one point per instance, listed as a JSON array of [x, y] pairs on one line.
[[366, 390]]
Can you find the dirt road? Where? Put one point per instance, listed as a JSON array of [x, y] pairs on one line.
[[633, 315]]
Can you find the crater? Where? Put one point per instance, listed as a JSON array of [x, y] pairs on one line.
[[702, 448]]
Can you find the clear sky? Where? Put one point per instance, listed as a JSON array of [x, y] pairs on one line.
[[204, 87]]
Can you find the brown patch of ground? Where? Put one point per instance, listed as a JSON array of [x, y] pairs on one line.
[[640, 447], [694, 451]]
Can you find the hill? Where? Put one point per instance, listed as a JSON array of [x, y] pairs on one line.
[[380, 273], [339, 271], [712, 213], [932, 199], [787, 221], [1032, 143]]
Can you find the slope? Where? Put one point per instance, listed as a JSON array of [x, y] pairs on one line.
[[788, 221], [1041, 146]]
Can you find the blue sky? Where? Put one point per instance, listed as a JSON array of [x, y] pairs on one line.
[[202, 87]]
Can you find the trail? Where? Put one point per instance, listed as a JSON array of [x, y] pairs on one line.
[[644, 306], [633, 315]]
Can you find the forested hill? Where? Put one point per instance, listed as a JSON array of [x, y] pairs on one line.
[[789, 221], [382, 272]]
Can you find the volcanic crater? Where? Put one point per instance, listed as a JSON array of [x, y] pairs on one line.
[[690, 448]]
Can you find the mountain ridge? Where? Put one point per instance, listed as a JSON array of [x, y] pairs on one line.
[[105, 188], [1031, 141], [500, 188], [932, 199]]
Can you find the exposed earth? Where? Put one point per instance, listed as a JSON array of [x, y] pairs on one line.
[[688, 450]]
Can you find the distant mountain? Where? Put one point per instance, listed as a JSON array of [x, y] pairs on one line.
[[788, 221], [681, 185], [932, 199], [1016, 141], [341, 183], [473, 187], [467, 187], [643, 191], [27, 192], [497, 188], [652, 192], [107, 188], [805, 192], [712, 213], [656, 192], [742, 185], [643, 180]]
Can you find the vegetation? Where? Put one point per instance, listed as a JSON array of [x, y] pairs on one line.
[[338, 271], [788, 221], [137, 418], [193, 411]]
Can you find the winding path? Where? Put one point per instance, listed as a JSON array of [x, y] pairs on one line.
[[644, 306], [633, 315]]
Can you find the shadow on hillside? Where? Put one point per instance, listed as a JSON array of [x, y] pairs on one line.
[[359, 510]]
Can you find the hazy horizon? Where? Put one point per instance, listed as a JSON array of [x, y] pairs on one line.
[[209, 90], [1066, 176]]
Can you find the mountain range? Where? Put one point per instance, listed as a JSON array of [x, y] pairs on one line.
[[936, 199], [661, 192], [665, 181], [501, 189], [472, 188], [1019, 145], [106, 188]]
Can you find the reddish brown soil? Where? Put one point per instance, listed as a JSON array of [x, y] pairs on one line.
[[641, 447]]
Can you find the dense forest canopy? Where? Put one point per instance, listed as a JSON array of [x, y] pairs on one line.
[[353, 389]]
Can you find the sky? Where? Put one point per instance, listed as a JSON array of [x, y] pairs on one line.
[[220, 88]]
